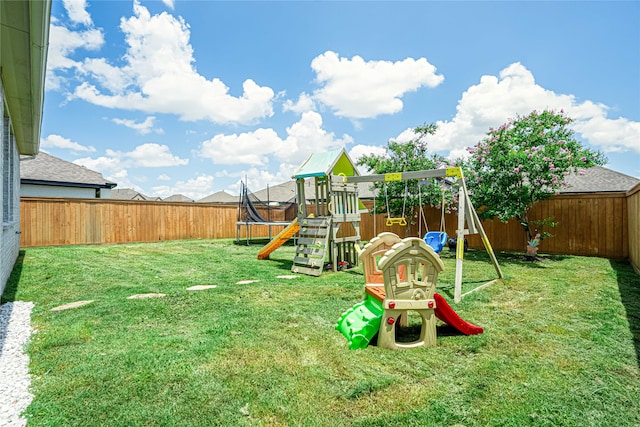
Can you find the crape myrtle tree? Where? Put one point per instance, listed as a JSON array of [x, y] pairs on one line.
[[402, 197], [522, 162]]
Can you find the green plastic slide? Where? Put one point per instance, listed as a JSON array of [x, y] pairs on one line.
[[361, 323]]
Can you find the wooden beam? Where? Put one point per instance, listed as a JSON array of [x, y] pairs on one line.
[[402, 176]]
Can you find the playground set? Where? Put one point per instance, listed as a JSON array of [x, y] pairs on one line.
[[400, 274], [328, 228]]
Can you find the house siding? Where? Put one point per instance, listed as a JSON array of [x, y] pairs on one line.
[[10, 173], [32, 190]]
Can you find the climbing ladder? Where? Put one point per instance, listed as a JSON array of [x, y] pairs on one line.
[[313, 246]]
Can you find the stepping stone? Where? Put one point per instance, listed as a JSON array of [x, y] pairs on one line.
[[288, 276], [139, 296], [71, 305], [201, 287], [246, 282]]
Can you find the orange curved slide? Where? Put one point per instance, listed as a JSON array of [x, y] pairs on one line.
[[279, 240]]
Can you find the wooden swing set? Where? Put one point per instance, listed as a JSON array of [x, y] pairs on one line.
[[468, 221]]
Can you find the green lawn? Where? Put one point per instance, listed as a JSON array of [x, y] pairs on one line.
[[560, 347]]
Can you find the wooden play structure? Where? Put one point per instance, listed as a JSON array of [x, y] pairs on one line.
[[330, 227], [400, 277]]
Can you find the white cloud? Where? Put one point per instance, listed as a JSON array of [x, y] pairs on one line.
[[496, 100], [114, 165], [406, 135], [304, 103], [148, 155], [77, 11], [255, 148], [120, 177], [112, 78], [307, 136], [142, 128], [163, 177], [358, 151], [145, 155], [63, 43], [168, 3], [104, 165], [250, 148], [159, 77], [610, 135], [57, 141], [359, 89], [195, 188]]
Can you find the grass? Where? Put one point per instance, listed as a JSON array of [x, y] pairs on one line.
[[560, 347]]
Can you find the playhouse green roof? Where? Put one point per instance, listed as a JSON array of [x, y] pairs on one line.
[[334, 162]]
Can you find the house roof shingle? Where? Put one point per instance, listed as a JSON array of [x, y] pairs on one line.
[[283, 193], [48, 169], [219, 197], [177, 198], [598, 179], [129, 194]]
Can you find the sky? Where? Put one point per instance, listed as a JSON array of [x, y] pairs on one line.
[[193, 97]]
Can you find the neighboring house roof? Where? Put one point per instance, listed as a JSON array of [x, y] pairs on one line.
[[286, 192], [24, 31], [366, 190], [129, 194], [283, 193], [177, 198], [219, 197], [46, 169], [598, 180]]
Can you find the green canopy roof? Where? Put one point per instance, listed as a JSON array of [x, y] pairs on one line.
[[334, 162]]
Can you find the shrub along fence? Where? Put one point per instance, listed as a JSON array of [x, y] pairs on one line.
[[588, 224]]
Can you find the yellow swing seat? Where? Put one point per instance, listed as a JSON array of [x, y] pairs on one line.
[[396, 221]]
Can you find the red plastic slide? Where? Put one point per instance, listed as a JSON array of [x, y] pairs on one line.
[[445, 313]]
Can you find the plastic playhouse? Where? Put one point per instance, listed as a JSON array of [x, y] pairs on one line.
[[400, 276]]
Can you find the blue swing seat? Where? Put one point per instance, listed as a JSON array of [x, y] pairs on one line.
[[436, 239]]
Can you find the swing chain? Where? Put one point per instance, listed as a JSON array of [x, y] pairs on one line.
[[399, 221]]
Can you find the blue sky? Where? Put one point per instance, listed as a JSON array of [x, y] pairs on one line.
[[191, 97]]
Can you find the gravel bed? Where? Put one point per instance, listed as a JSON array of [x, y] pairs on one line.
[[15, 331]]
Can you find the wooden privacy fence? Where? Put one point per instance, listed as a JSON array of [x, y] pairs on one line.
[[633, 206], [588, 224]]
